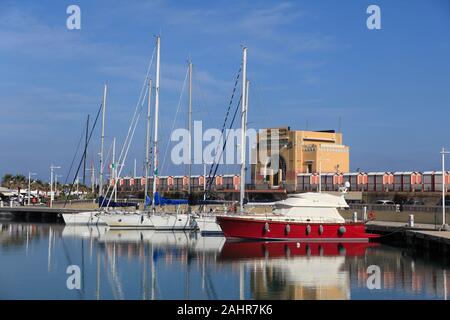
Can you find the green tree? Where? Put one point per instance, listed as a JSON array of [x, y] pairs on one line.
[[7, 179]]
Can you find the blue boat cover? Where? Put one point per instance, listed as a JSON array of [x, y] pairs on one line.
[[102, 202], [161, 201]]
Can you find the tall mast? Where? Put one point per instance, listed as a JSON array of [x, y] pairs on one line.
[[155, 144], [100, 190], [147, 142], [190, 127], [113, 168], [244, 126], [85, 150]]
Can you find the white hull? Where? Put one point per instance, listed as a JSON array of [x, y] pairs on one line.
[[182, 222], [208, 225], [128, 221], [84, 231], [83, 218], [173, 222]]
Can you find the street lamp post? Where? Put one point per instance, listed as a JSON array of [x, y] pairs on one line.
[[56, 183], [52, 168], [29, 186], [77, 183], [443, 153]]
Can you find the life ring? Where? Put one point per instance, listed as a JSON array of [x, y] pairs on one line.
[[372, 215]]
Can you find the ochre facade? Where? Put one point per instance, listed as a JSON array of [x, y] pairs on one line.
[[299, 152]]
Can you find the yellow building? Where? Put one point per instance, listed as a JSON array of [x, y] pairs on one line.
[[299, 152]]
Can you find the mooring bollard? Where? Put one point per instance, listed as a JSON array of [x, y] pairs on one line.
[[364, 213], [411, 220], [355, 216]]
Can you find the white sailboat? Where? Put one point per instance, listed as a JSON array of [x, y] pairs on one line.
[[150, 219], [176, 220], [91, 217]]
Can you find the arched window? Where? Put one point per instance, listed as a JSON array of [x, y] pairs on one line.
[[268, 170]]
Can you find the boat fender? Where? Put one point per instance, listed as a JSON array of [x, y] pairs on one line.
[[287, 251], [372, 215], [142, 219], [266, 227], [308, 230], [308, 250], [342, 230], [288, 229], [341, 249], [320, 229]]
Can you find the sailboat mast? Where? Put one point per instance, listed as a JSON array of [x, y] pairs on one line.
[[190, 127], [155, 144], [113, 169], [100, 190], [244, 126], [85, 150], [147, 141]]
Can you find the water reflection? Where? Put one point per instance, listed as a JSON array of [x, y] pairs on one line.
[[138, 264], [294, 270]]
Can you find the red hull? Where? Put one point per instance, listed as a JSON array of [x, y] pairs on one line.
[[245, 228], [280, 249]]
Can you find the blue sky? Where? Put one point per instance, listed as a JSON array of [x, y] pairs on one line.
[[309, 62]]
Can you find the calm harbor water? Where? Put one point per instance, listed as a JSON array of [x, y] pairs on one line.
[[165, 265]]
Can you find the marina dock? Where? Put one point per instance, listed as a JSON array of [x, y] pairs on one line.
[[34, 213], [424, 237]]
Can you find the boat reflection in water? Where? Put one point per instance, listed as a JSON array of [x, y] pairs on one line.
[[295, 270], [149, 264]]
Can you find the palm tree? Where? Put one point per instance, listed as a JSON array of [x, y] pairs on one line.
[[20, 181], [6, 180]]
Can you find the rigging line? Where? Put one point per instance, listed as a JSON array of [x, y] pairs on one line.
[[174, 120], [75, 155], [121, 159], [224, 146], [231, 101], [84, 154], [144, 85], [107, 158], [228, 110], [125, 157]]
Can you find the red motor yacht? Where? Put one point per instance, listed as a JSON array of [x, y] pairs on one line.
[[303, 216]]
